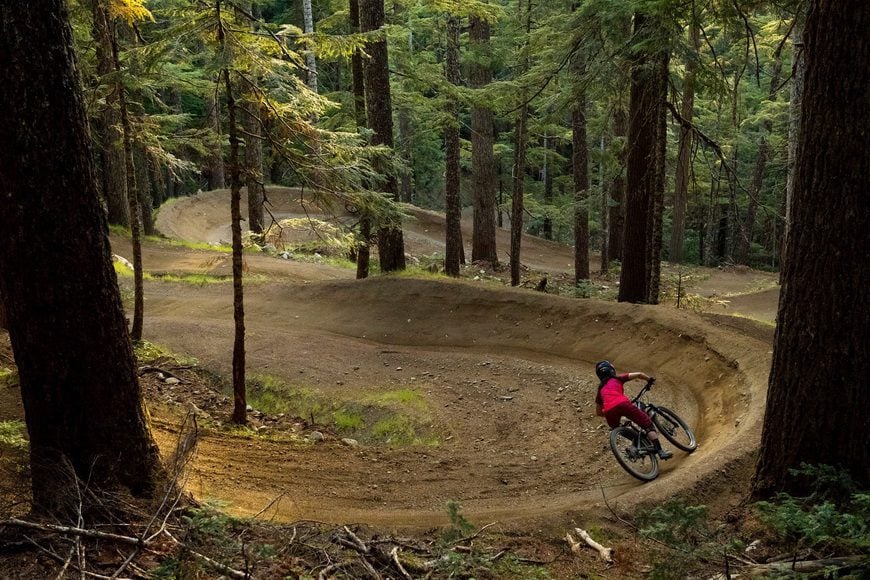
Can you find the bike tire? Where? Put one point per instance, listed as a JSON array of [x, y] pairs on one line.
[[644, 467], [674, 429]]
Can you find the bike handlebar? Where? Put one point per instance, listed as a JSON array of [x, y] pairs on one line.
[[649, 384]]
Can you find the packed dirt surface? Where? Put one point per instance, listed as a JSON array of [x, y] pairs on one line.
[[502, 382]]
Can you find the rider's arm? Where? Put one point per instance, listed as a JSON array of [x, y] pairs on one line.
[[632, 376]]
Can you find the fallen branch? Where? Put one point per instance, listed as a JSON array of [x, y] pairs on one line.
[[475, 534], [394, 555], [71, 531], [806, 566], [606, 554]]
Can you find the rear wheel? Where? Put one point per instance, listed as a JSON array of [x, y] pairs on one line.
[[634, 453], [675, 429]]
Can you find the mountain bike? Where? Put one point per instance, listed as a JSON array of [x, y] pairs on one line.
[[635, 452]]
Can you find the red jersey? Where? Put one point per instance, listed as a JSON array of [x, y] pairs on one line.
[[613, 392]]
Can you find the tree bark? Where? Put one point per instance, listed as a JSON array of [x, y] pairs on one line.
[[391, 245], [644, 166], [817, 398], [81, 396], [684, 162], [483, 244], [452, 202], [580, 166], [657, 199], [604, 213], [112, 139]]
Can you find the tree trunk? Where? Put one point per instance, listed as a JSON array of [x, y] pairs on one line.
[[391, 245], [144, 189], [240, 404], [216, 174], [817, 398], [617, 186], [359, 93], [684, 161], [363, 254], [132, 193], [406, 140], [254, 183], [81, 396], [799, 69], [760, 165], [112, 140], [644, 167], [483, 245], [547, 178], [310, 60], [452, 202], [657, 200], [605, 208], [580, 165], [520, 136]]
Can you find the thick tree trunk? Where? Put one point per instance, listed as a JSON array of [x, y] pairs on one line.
[[112, 140], [132, 195], [580, 165], [483, 245], [452, 202], [817, 398], [81, 396], [216, 174], [644, 169], [391, 245], [684, 161], [617, 186]]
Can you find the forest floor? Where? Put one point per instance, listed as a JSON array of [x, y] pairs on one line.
[[379, 401]]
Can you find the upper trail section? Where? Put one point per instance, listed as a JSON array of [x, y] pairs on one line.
[[505, 377]]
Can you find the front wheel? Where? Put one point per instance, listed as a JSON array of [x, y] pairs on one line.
[[675, 429], [634, 452]]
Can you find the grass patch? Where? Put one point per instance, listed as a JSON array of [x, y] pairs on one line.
[[148, 352], [12, 434], [8, 377], [124, 232], [193, 279], [398, 417]]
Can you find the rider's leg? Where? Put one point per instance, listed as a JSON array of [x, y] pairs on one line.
[[645, 423]]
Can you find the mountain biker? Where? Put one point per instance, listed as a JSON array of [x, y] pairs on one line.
[[612, 404]]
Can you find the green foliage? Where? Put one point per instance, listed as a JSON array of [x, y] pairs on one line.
[[459, 526], [835, 514], [12, 434], [691, 537], [396, 417]]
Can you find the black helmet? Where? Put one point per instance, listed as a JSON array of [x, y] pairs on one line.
[[605, 370]]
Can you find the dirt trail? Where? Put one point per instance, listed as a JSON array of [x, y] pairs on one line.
[[505, 376]]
